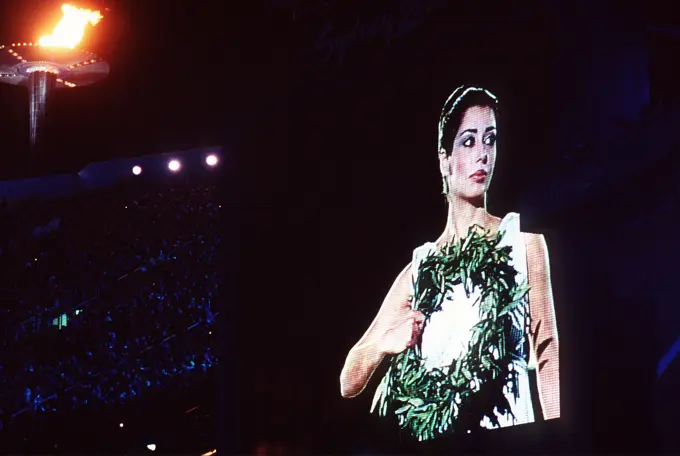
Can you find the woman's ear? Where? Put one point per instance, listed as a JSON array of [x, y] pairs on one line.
[[444, 160]]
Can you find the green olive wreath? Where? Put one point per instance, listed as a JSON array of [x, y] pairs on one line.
[[434, 402]]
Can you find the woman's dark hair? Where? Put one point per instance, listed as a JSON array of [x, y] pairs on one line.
[[463, 98]]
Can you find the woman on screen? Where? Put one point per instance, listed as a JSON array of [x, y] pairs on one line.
[[467, 156]]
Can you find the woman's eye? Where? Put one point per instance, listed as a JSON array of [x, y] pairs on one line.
[[490, 140], [469, 142]]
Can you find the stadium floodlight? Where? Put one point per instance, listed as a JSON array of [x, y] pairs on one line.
[[174, 165], [211, 160]]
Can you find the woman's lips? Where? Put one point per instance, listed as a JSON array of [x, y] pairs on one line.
[[479, 176]]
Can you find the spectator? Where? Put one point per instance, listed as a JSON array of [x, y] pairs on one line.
[[128, 286]]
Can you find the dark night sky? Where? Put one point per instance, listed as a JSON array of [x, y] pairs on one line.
[[184, 75], [174, 70], [356, 139]]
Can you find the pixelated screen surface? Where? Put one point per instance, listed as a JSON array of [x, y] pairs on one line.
[[467, 331], [111, 310]]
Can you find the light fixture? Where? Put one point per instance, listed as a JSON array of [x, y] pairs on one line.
[[174, 165], [211, 160]]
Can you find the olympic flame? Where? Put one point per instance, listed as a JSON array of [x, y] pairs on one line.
[[70, 30]]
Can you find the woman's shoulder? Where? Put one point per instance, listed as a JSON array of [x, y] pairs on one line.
[[495, 224], [530, 237], [535, 242], [536, 249], [422, 251], [507, 218]]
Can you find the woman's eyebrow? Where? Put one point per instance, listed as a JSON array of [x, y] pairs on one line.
[[474, 130], [469, 130]]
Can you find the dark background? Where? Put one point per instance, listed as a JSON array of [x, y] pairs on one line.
[[333, 182], [583, 156]]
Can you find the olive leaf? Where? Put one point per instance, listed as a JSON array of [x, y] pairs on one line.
[[434, 402]]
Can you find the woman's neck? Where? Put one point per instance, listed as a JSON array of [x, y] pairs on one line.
[[462, 215]]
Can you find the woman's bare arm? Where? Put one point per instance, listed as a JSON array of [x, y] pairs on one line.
[[368, 353], [544, 325]]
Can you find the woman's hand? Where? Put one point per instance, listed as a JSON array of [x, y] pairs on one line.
[[402, 333], [395, 328]]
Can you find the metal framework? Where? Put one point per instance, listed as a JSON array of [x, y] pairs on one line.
[[43, 70]]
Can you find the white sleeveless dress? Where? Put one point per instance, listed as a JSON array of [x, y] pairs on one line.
[[447, 334]]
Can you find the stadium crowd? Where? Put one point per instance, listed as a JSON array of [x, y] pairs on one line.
[[110, 292]]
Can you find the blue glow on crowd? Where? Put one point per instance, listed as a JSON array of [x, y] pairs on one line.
[[110, 293]]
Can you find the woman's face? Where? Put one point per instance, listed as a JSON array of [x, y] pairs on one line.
[[470, 165]]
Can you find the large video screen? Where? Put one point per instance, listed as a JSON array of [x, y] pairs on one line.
[[466, 337]]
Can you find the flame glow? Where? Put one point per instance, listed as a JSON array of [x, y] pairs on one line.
[[70, 30]]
